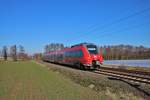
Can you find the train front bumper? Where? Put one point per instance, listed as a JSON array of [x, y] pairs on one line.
[[91, 65]]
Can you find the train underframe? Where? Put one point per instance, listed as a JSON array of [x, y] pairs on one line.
[[93, 65]]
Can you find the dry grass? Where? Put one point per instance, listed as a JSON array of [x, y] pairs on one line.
[[113, 89]]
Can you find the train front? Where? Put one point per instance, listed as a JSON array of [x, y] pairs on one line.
[[94, 57]]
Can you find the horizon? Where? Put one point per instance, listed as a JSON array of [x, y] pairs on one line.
[[34, 24], [30, 54]]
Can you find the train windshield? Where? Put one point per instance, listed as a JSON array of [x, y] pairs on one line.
[[92, 49]]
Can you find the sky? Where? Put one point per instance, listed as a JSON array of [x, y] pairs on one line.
[[35, 23]]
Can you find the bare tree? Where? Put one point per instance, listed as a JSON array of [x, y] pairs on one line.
[[37, 56], [13, 52], [46, 49], [21, 49], [0, 53], [53, 47], [21, 54], [125, 52], [4, 52]]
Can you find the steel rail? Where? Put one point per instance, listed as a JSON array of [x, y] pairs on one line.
[[127, 74], [127, 71], [122, 75]]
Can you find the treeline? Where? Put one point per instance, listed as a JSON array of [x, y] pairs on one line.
[[111, 52], [13, 53], [49, 48], [125, 52], [53, 47]]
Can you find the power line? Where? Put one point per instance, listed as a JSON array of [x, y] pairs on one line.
[[121, 30], [124, 29], [125, 18], [112, 23]]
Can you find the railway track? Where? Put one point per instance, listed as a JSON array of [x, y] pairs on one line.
[[124, 74]]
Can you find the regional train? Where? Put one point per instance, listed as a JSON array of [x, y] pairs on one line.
[[83, 56]]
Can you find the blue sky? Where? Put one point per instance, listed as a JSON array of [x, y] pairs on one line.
[[35, 23]]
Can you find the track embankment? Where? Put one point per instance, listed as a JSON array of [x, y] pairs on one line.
[[132, 75], [120, 88]]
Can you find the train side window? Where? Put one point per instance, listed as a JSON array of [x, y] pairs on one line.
[[80, 53], [73, 54], [61, 56], [76, 53], [67, 54]]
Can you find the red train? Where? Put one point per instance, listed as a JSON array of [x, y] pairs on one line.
[[83, 56]]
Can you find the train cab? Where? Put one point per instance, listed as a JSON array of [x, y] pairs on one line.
[[92, 56]]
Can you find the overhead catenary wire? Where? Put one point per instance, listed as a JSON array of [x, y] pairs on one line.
[[109, 34], [123, 30], [109, 24], [122, 19]]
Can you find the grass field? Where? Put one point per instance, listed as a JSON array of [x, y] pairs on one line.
[[29, 81]]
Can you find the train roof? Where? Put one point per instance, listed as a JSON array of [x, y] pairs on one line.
[[77, 46], [82, 44]]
